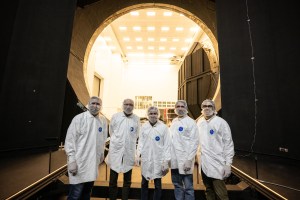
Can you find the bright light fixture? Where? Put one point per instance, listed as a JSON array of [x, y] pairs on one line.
[[150, 28], [195, 29], [179, 28], [167, 14], [123, 28], [151, 13], [134, 13], [136, 28], [165, 28]]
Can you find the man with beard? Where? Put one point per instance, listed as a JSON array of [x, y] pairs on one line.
[[216, 151], [124, 130], [185, 141], [154, 149], [84, 146]]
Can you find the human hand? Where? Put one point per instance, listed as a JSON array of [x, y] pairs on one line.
[[227, 171], [72, 167], [137, 161], [164, 168], [187, 165]]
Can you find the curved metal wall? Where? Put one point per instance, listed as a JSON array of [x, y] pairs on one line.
[[196, 81]]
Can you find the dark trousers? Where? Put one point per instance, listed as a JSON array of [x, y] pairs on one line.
[[113, 187], [80, 191], [215, 188], [157, 189]]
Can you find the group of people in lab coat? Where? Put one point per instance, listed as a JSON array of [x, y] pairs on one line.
[[160, 149]]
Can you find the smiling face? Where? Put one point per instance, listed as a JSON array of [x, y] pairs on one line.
[[153, 114]]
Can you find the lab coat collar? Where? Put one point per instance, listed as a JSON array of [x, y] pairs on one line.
[[91, 116]]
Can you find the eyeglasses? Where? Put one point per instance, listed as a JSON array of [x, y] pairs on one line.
[[128, 104], [207, 106], [152, 113], [180, 106], [95, 103]]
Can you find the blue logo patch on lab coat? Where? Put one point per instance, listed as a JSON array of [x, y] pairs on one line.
[[131, 129], [157, 138], [180, 128], [211, 131], [100, 129]]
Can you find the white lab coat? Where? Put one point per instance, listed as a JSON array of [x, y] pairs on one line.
[[185, 141], [123, 132], [85, 143], [216, 146], [154, 147]]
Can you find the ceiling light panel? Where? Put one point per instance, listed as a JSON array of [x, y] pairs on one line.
[[152, 31]]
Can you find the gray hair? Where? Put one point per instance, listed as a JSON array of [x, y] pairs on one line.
[[153, 108], [128, 100], [97, 98], [210, 101], [183, 102]]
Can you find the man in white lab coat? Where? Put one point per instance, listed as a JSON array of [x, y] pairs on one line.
[[84, 146], [154, 148], [124, 130], [216, 151], [185, 141]]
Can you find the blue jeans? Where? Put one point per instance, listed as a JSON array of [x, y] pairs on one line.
[[80, 191], [157, 190], [183, 185]]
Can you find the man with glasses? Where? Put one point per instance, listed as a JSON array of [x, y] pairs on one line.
[[124, 130], [84, 146], [216, 151], [154, 149], [185, 141]]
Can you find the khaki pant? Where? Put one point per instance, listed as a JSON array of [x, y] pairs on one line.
[[215, 188]]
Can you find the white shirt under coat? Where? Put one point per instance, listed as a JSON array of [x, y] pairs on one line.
[[185, 141], [124, 132], [216, 146], [85, 143], [154, 146]]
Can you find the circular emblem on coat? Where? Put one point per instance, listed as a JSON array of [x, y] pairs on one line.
[[180, 128], [157, 138], [131, 129], [211, 131], [100, 129]]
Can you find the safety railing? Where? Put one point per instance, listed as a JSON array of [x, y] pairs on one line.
[[38, 185], [266, 191]]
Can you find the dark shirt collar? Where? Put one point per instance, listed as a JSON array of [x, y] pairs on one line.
[[127, 115], [152, 124]]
